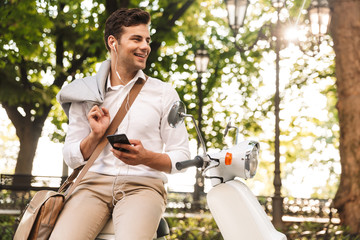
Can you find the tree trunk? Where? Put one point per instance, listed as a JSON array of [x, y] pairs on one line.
[[345, 30], [199, 179], [28, 130], [29, 139]]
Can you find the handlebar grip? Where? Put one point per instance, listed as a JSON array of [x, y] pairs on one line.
[[196, 162]]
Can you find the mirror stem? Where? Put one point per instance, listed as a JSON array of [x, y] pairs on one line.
[[237, 135], [198, 133]]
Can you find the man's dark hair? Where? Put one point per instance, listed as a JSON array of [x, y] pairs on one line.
[[124, 17]]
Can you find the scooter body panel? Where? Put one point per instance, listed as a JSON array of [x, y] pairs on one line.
[[239, 214]]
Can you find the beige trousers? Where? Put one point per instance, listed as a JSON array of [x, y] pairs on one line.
[[91, 205]]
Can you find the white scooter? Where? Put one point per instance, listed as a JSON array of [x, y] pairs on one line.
[[234, 207], [236, 210]]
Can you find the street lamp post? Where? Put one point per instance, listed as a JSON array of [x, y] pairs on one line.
[[237, 15], [319, 14], [277, 200], [201, 62]]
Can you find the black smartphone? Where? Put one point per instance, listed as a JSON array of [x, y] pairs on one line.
[[118, 138]]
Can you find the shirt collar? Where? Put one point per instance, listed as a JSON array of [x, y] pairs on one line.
[[139, 74]]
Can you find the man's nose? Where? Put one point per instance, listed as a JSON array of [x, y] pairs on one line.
[[144, 45]]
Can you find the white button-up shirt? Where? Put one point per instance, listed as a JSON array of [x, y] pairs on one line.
[[146, 121]]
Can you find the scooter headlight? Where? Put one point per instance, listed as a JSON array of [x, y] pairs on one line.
[[240, 161], [251, 160]]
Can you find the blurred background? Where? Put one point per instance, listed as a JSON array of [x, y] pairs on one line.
[[286, 72]]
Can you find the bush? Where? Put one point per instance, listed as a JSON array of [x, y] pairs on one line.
[[318, 231], [7, 227], [191, 228]]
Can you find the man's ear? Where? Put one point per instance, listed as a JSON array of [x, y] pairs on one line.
[[112, 42]]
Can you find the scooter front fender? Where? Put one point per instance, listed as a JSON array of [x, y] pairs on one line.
[[239, 214]]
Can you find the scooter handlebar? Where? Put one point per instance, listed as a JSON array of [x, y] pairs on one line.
[[196, 162]]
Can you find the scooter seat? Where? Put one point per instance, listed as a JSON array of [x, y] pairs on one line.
[[108, 233]]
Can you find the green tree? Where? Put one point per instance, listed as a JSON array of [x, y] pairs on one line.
[[47, 43], [43, 45], [69, 43], [204, 95]]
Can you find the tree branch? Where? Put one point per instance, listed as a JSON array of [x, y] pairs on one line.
[[180, 12], [259, 36], [40, 119], [112, 5], [14, 115], [164, 28], [23, 74]]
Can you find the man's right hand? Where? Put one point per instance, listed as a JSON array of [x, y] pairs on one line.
[[99, 120]]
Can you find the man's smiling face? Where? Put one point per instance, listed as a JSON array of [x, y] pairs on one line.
[[134, 47]]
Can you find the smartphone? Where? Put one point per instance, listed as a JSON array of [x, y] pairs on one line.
[[118, 138]]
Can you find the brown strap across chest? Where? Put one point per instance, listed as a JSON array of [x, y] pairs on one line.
[[103, 141]]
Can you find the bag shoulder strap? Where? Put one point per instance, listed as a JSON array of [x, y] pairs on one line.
[[103, 141]]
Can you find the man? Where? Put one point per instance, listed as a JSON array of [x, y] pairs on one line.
[[128, 186]]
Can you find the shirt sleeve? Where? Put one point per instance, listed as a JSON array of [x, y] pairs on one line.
[[78, 129], [176, 139]]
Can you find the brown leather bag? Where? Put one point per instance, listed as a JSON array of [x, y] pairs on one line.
[[39, 218], [40, 215]]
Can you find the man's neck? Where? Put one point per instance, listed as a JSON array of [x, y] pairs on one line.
[[121, 77]]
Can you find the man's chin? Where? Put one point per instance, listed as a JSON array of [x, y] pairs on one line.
[[142, 66]]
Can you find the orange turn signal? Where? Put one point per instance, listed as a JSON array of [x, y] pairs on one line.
[[228, 158]]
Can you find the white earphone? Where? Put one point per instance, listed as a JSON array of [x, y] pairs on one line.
[[114, 45]]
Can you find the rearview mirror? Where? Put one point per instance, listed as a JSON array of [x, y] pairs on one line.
[[177, 114]]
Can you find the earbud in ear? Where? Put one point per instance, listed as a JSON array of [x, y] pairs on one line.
[[114, 47]]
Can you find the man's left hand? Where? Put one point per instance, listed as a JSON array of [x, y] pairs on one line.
[[137, 153]]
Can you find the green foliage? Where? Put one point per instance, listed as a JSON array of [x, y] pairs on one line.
[[205, 228], [40, 41], [199, 26], [7, 224], [312, 136], [44, 44], [47, 43], [313, 230], [19, 47], [195, 228]]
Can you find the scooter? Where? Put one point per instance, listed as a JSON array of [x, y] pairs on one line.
[[236, 210]]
